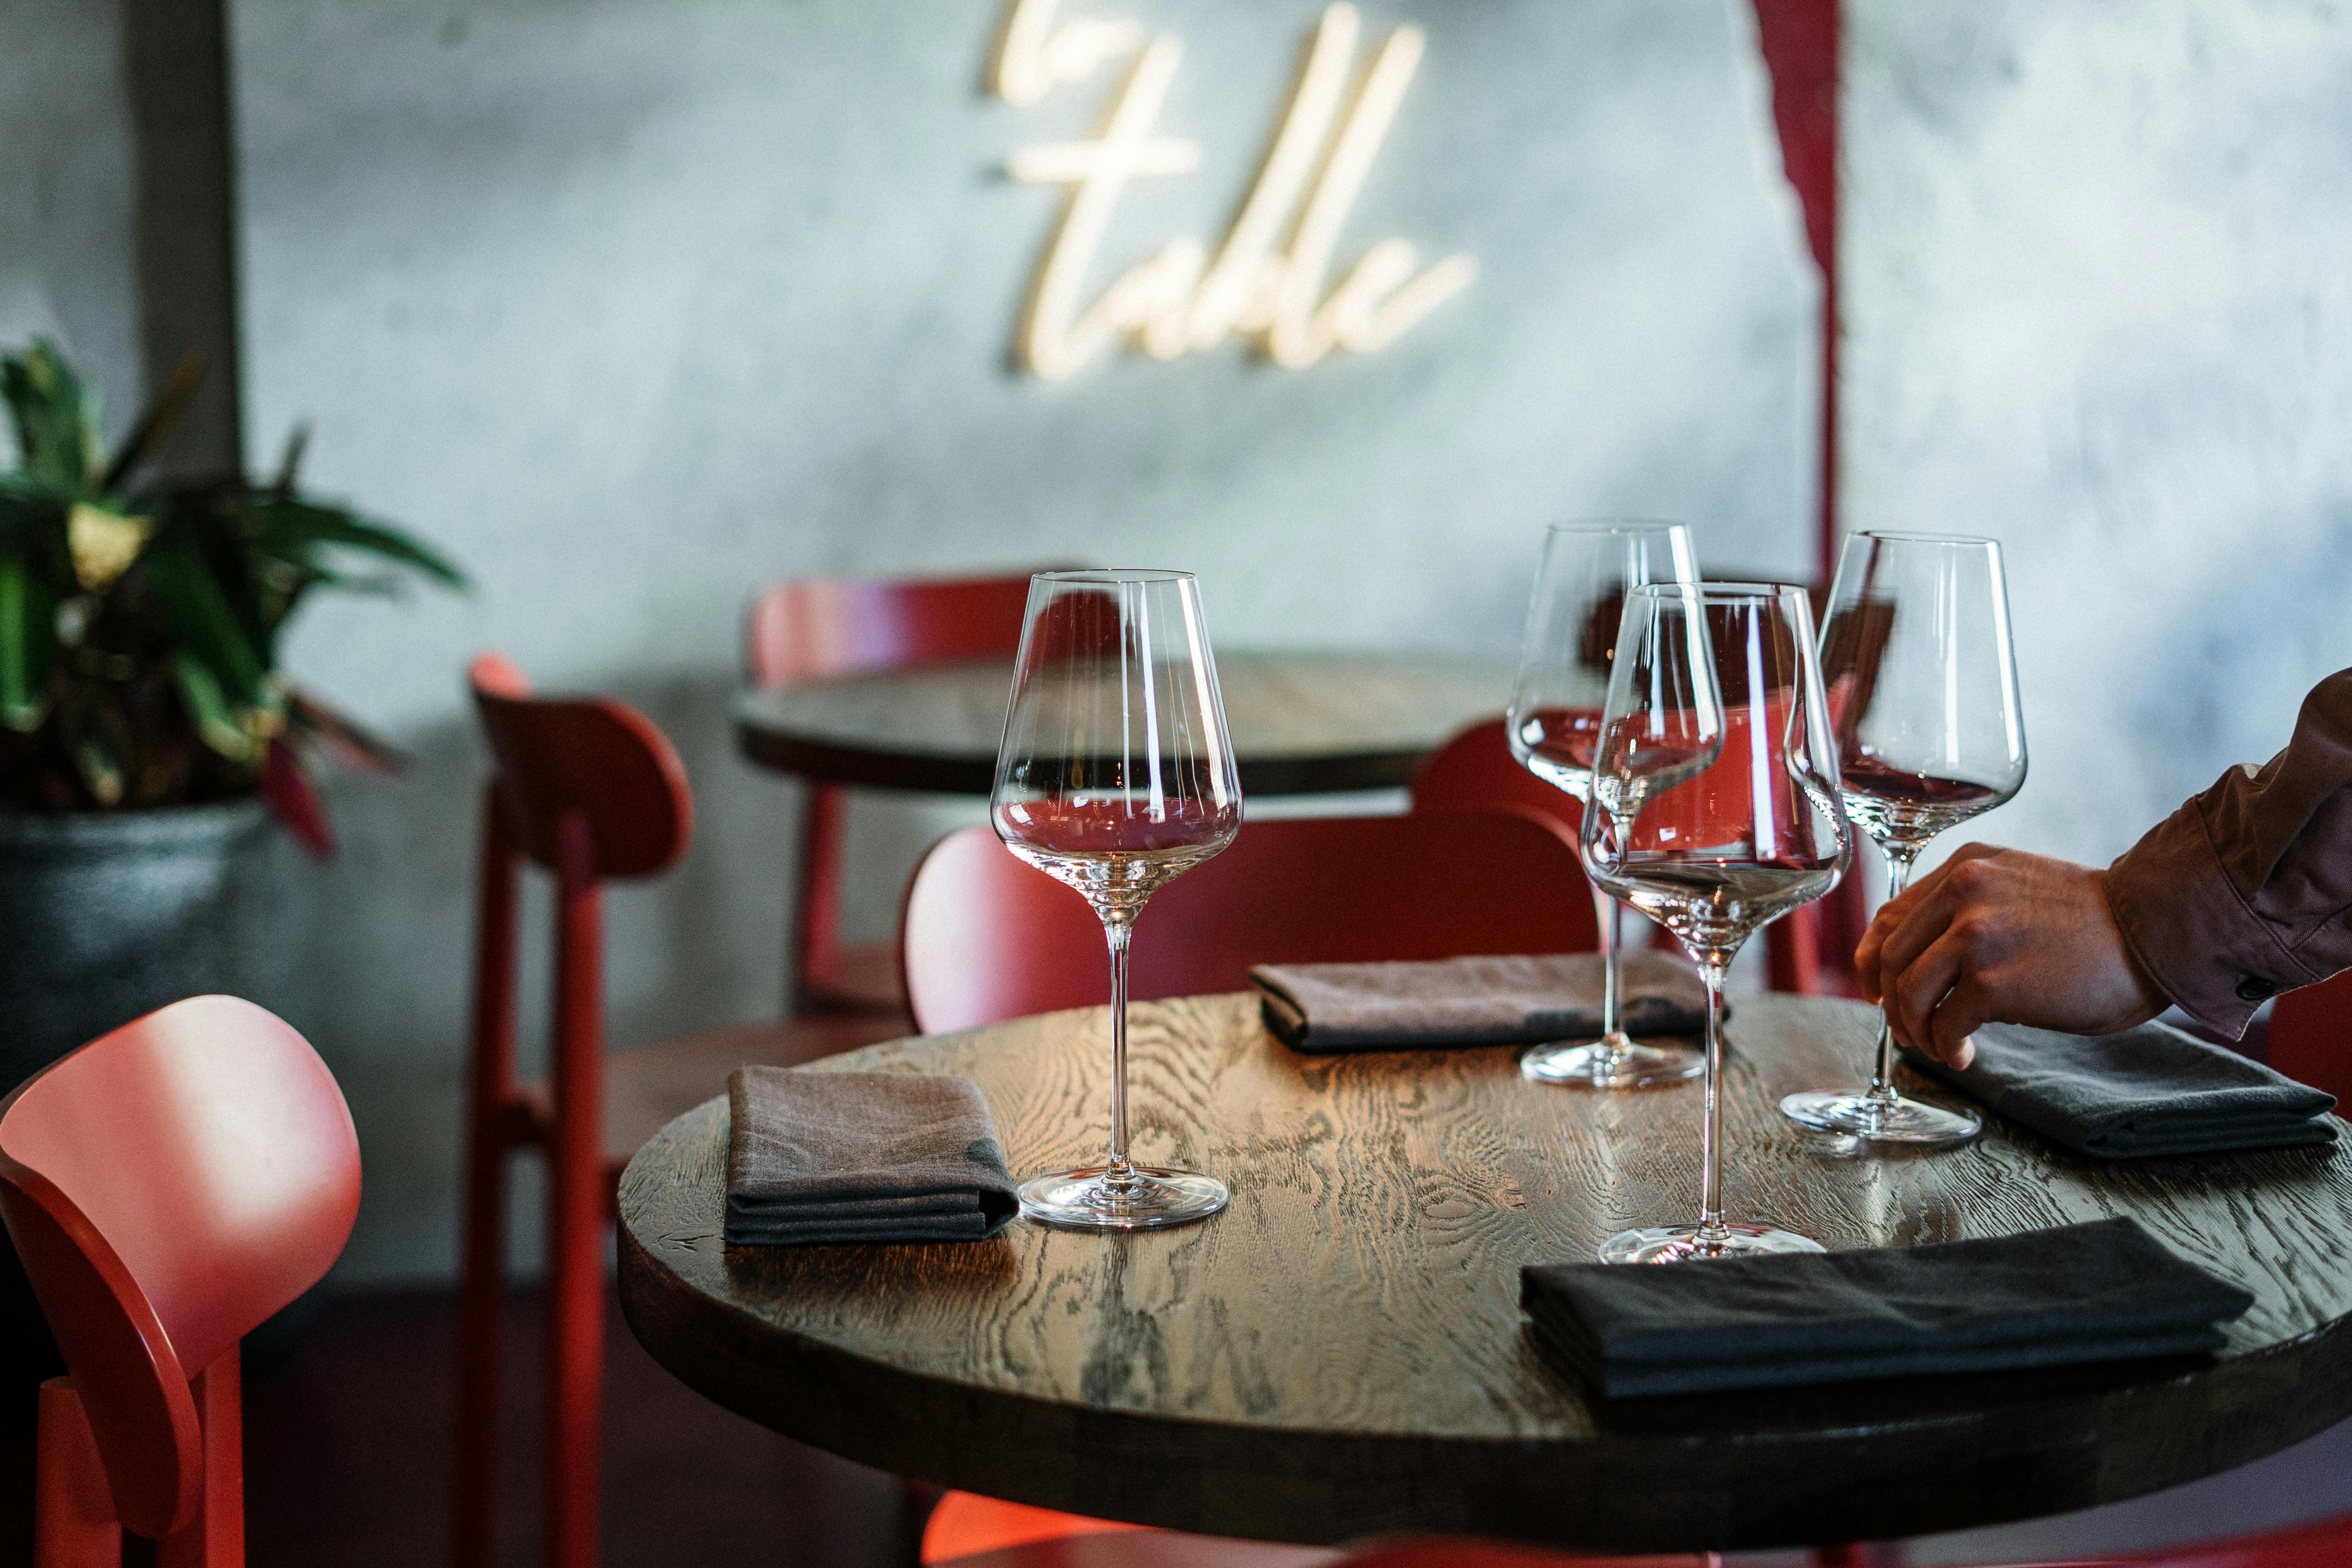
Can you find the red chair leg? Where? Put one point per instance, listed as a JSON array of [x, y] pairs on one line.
[[816, 911], [579, 1202], [490, 1094], [215, 1537], [73, 1507]]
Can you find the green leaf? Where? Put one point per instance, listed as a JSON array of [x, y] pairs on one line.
[[290, 466], [209, 628], [156, 425], [28, 641], [291, 528], [55, 419], [216, 719]]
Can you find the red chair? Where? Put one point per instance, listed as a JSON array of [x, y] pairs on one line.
[[169, 1186], [2311, 1037], [1476, 771], [816, 629], [589, 789], [986, 937]]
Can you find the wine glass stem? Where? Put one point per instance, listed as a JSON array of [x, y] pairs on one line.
[[1606, 910], [1899, 859], [1117, 927], [1711, 1227]]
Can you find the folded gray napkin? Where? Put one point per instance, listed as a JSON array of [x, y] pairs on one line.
[[2147, 1091], [2107, 1291], [861, 1156], [1500, 1001]]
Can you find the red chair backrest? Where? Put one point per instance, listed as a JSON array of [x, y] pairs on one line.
[[170, 1185], [986, 937], [815, 627], [2311, 1037], [1476, 771], [590, 757]]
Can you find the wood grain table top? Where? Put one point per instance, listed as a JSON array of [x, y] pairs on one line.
[[1302, 723], [1342, 1353]]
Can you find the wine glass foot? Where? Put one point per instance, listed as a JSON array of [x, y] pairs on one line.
[[1157, 1198], [1899, 1121], [1616, 1062], [1676, 1243]]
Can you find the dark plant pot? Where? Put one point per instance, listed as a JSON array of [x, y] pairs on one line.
[[104, 918]]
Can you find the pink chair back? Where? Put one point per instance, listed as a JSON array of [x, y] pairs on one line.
[[815, 627], [985, 937], [1476, 771], [170, 1185], [592, 758]]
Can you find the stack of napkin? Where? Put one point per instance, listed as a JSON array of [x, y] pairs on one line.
[[2103, 1291], [2147, 1091], [861, 1156], [1326, 1008]]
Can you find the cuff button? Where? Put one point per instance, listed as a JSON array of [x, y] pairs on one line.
[[2254, 988]]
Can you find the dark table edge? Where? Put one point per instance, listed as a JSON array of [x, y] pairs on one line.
[[948, 772], [1836, 1485]]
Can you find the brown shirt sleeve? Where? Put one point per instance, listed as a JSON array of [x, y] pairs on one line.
[[2246, 890]]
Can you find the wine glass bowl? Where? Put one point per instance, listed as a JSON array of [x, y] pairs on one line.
[[1918, 663], [1716, 812], [1115, 776], [1554, 729]]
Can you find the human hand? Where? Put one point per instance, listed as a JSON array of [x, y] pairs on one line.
[[1997, 935]]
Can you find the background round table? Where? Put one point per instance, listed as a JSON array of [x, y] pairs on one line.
[[1302, 723], [1341, 1352]]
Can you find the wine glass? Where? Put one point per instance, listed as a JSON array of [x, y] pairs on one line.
[[1115, 776], [1717, 781], [1554, 722], [1923, 693]]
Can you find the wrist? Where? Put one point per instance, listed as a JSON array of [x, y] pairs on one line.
[[2150, 995]]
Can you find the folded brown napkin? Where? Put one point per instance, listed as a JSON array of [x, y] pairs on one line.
[[861, 1156], [1494, 1001]]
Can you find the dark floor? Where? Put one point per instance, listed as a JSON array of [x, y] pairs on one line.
[[348, 1460], [348, 1466]]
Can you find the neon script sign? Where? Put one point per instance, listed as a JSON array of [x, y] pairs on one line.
[[1265, 284]]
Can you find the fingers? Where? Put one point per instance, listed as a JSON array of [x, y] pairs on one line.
[[1920, 926], [1968, 1005], [1869, 956], [1919, 986]]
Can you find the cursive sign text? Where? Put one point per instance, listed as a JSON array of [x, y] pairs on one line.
[[1265, 284]]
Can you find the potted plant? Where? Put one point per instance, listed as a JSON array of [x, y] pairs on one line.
[[146, 733]]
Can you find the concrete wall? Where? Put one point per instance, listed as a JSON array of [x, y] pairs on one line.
[[636, 305], [68, 191], [2098, 307]]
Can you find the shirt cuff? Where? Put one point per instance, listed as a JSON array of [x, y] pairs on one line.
[[2190, 930]]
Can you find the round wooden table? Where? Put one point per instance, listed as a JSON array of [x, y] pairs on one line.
[[1302, 723], [1342, 1353]]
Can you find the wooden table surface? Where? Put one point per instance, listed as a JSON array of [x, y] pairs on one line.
[[1341, 1352], [1302, 723]]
